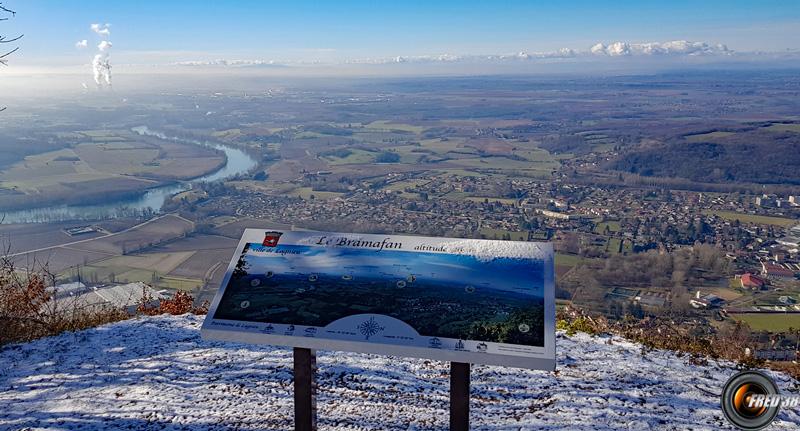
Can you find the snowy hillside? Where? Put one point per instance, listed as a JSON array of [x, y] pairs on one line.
[[157, 373]]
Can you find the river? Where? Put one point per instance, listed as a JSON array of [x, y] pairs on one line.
[[237, 162]]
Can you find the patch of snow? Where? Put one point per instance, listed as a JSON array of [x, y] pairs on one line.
[[491, 249], [157, 373]]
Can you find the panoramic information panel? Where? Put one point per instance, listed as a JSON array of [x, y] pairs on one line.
[[461, 300]]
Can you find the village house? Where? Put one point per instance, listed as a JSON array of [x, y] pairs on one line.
[[706, 301], [773, 271], [752, 281]]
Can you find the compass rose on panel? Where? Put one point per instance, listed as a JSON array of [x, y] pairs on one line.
[[369, 328]]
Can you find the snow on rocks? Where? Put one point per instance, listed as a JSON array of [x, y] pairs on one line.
[[157, 373]]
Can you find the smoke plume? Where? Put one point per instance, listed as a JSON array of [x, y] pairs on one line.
[[101, 64], [102, 29]]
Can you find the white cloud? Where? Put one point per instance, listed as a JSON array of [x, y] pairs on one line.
[[675, 47], [101, 29], [222, 62], [619, 48], [615, 49], [81, 44], [104, 45]]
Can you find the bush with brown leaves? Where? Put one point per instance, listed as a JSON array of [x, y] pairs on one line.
[[29, 308], [180, 303]]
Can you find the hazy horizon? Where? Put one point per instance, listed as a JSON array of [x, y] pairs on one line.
[[78, 46]]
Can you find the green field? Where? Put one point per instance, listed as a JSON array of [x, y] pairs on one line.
[[783, 127], [750, 218], [706, 136], [388, 126], [498, 234], [443, 147], [506, 164], [613, 245], [459, 173], [613, 226], [770, 322], [307, 192], [627, 246], [356, 157], [178, 283], [569, 260]]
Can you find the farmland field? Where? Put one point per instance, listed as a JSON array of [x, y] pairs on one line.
[[614, 245], [157, 231], [784, 127], [159, 262], [499, 233], [706, 136], [61, 253], [770, 322], [751, 218], [356, 156], [307, 192], [91, 170], [613, 226], [568, 259], [388, 125], [21, 237]]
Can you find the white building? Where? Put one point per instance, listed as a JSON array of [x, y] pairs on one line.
[[127, 296]]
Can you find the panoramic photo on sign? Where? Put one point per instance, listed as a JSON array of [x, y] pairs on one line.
[[464, 300]]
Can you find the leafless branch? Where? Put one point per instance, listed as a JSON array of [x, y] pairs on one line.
[[3, 61], [6, 10], [4, 40]]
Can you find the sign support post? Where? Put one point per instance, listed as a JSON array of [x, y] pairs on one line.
[[305, 390], [459, 396], [306, 290]]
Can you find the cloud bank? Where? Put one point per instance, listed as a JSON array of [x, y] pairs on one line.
[[670, 49], [675, 47]]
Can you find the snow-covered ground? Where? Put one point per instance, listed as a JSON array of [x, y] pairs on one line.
[[157, 373]]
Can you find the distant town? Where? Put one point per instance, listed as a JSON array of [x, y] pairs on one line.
[[697, 217]]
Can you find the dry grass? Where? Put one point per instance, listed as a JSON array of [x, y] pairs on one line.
[[664, 332]]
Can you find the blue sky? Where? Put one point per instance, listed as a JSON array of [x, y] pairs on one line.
[[522, 276], [162, 31]]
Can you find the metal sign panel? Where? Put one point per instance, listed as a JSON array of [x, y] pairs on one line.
[[449, 299]]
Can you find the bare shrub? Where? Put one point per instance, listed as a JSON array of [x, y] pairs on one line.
[[33, 306], [666, 332], [29, 307]]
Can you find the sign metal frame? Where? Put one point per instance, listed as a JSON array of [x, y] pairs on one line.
[[251, 332]]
